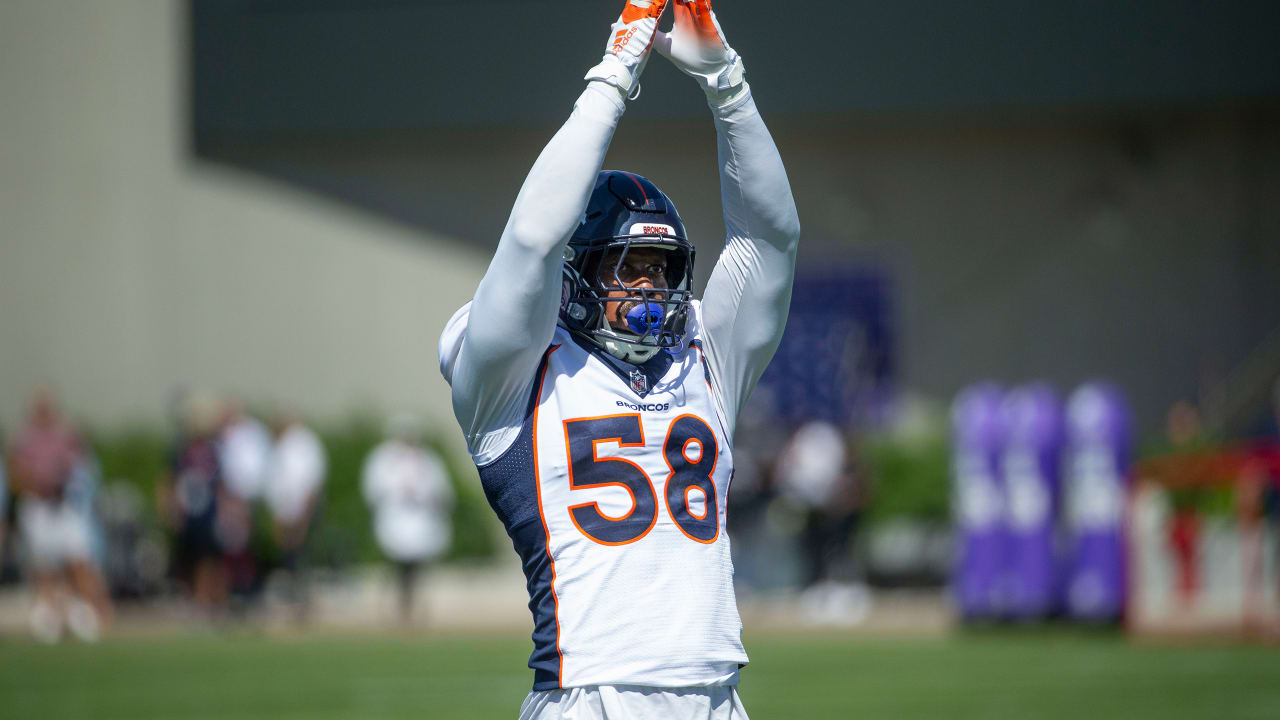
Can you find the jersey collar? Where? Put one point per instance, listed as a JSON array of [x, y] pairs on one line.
[[640, 379]]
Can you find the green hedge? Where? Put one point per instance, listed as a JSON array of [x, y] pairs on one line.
[[909, 479]]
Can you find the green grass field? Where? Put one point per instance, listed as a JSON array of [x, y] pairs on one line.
[[995, 675]]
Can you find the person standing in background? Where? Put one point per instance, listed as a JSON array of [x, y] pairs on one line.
[[84, 487], [407, 488], [244, 450], [44, 455], [4, 501], [295, 478], [190, 499], [815, 473]]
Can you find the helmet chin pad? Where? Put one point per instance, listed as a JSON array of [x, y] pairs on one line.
[[634, 353]]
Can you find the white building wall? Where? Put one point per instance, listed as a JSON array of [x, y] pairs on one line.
[[128, 269]]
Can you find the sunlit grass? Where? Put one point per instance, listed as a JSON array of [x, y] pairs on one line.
[[808, 675]]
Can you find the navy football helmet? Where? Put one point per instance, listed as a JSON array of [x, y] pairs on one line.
[[626, 212]]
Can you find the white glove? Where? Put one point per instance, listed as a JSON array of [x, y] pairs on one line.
[[627, 50], [697, 46]]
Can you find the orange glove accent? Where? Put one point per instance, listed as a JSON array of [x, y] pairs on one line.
[[627, 50], [696, 46], [640, 9], [696, 17]]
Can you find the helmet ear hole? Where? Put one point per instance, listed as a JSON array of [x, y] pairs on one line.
[[591, 263]]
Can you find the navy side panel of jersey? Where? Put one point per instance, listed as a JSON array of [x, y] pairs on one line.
[[510, 485], [702, 360]]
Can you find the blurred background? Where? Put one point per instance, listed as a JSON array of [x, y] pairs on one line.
[[1027, 406]]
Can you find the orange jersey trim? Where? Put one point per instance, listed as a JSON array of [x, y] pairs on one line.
[[537, 486]]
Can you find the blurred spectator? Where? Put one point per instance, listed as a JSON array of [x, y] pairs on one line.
[[244, 451], [1184, 432], [762, 556], [407, 488], [1271, 493], [4, 503], [81, 494], [56, 533], [815, 473], [1250, 499], [4, 500], [189, 498], [136, 560], [295, 477]]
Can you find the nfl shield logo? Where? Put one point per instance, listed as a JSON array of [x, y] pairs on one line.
[[639, 382]]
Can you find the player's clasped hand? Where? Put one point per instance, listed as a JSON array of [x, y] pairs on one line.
[[696, 46], [627, 49]]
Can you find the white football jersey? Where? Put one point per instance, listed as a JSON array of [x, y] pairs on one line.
[[614, 494]]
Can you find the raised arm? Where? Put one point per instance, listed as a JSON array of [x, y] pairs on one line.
[[491, 351], [745, 305], [749, 292]]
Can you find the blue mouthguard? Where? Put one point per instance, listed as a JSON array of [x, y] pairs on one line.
[[644, 322]]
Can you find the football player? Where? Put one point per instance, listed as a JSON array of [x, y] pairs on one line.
[[598, 398]]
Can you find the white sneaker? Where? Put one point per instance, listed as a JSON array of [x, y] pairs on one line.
[[83, 621], [45, 623]]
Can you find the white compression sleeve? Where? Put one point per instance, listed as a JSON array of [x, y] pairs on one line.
[[514, 312], [745, 306]]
